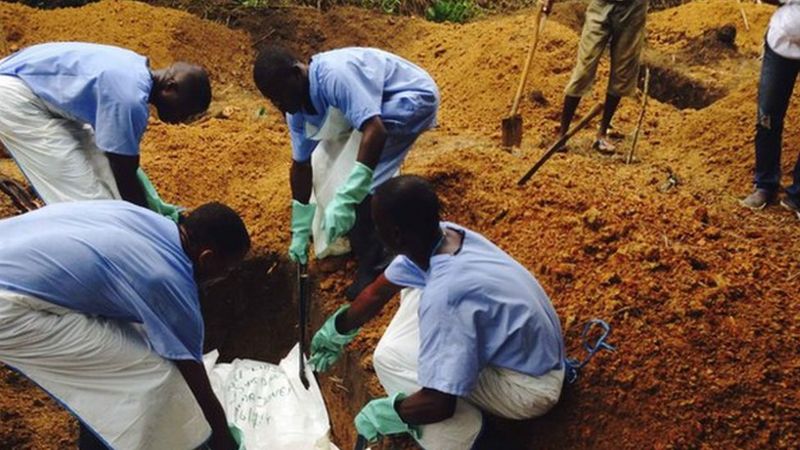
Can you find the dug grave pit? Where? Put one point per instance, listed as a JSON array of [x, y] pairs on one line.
[[253, 314]]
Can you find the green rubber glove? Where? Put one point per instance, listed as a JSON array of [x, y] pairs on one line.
[[380, 418], [154, 201], [302, 218], [340, 215], [327, 344], [238, 436]]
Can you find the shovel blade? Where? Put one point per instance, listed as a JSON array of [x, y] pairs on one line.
[[512, 131]]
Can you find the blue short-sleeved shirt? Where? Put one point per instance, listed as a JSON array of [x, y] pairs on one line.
[[364, 83], [479, 308], [107, 258], [103, 86]]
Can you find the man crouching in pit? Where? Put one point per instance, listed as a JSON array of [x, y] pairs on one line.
[[99, 306], [475, 333]]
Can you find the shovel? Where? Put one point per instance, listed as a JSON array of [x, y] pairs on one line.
[[512, 125], [303, 301]]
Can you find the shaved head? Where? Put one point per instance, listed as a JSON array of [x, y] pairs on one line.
[[407, 212], [281, 78], [180, 91]]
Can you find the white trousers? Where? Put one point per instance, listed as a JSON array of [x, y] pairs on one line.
[[502, 392], [57, 155], [104, 372]]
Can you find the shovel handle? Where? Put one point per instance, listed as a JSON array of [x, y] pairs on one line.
[[531, 51]]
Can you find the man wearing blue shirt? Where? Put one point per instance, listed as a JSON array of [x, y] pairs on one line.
[[74, 113], [388, 99], [99, 306], [481, 337]]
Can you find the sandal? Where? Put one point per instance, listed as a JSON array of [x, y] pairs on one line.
[[604, 146]]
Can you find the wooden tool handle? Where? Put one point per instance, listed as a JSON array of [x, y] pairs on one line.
[[526, 71], [553, 148]]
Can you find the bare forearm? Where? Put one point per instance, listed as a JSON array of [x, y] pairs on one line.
[[301, 179], [372, 143], [367, 305], [132, 193], [426, 406], [124, 169], [197, 380]]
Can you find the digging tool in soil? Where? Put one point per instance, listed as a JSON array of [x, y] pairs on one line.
[[302, 301], [512, 125], [560, 143], [629, 159]]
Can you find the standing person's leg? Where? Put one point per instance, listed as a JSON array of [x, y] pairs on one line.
[[627, 42], [56, 155], [774, 91], [395, 362], [593, 41], [792, 200]]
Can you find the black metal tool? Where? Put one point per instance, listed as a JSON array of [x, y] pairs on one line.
[[303, 301], [361, 443]]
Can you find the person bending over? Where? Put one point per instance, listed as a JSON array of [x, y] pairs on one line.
[[385, 97], [99, 306], [74, 114]]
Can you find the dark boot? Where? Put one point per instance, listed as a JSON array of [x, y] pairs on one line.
[[371, 255]]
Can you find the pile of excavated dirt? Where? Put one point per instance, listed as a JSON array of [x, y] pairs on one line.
[[702, 294], [163, 35]]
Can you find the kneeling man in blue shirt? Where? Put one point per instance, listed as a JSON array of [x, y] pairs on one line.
[[475, 333], [99, 306]]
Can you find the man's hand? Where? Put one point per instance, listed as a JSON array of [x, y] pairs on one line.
[[343, 325], [380, 418], [154, 201], [196, 377], [124, 169], [328, 342], [302, 218], [340, 215]]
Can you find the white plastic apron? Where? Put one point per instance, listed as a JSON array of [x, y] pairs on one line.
[[56, 154], [331, 163], [104, 372]]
